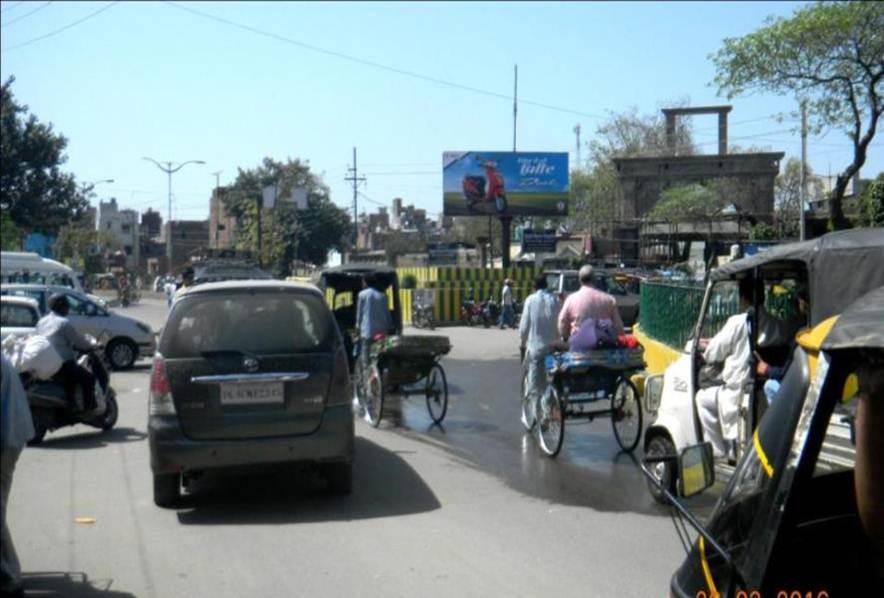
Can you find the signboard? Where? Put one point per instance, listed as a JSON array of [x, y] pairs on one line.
[[505, 183], [539, 241], [442, 254]]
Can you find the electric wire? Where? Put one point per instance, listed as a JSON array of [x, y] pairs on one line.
[[12, 6], [26, 15], [377, 65], [61, 29]]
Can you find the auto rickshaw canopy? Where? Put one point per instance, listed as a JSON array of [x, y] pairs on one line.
[[841, 268]]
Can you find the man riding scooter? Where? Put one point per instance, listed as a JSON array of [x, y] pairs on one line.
[[66, 339]]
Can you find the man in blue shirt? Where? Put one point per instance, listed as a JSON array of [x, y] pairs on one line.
[[539, 334], [372, 314], [16, 428]]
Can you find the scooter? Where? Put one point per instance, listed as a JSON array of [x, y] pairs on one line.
[[470, 312], [490, 313], [474, 187], [422, 317], [51, 409]]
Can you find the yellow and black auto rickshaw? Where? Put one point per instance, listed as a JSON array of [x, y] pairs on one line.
[[790, 524]]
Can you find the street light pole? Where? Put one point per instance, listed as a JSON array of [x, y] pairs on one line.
[[170, 170]]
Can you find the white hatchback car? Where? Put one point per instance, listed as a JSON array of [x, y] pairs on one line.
[[18, 315], [128, 338]]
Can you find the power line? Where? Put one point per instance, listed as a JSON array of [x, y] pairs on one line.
[[26, 15], [11, 6], [60, 30], [417, 172], [377, 65]]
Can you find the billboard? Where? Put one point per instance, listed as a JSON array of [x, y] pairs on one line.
[[539, 241], [505, 183]]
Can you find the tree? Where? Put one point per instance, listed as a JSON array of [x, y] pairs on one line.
[[399, 243], [595, 192], [77, 241], [34, 191], [787, 196], [287, 233], [829, 55], [870, 206], [10, 234]]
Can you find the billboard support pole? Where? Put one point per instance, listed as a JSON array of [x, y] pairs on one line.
[[506, 221]]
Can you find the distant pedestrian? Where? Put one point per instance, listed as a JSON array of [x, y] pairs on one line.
[[16, 429], [538, 332], [507, 311]]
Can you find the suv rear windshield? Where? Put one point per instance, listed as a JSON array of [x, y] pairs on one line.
[[260, 322]]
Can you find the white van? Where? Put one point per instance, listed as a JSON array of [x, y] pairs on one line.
[[30, 268]]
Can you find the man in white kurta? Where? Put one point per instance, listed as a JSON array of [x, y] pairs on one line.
[[719, 406]]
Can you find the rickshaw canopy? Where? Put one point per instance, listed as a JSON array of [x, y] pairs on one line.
[[861, 326], [841, 267], [348, 277]]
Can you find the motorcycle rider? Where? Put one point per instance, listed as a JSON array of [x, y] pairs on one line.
[[66, 339]]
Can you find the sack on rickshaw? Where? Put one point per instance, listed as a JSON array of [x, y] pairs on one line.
[[413, 345], [593, 334]]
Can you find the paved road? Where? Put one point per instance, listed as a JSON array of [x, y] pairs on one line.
[[472, 509]]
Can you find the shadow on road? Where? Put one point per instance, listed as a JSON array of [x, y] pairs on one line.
[[384, 485], [69, 585], [92, 439]]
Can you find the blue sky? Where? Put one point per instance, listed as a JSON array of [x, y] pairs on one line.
[[150, 79]]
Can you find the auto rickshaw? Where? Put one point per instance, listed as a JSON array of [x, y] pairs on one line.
[[788, 524], [833, 270], [342, 284]]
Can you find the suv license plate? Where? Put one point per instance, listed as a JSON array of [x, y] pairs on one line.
[[252, 393]]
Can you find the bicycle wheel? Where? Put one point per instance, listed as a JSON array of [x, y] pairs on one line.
[[551, 421], [626, 414], [374, 396], [528, 415], [437, 393]]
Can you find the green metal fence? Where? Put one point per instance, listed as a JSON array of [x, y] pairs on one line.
[[669, 310]]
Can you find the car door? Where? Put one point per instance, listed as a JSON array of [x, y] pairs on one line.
[[84, 315]]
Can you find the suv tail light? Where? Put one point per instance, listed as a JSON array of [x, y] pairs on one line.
[[160, 401]]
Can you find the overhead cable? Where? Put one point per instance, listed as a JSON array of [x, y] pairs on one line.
[[60, 30]]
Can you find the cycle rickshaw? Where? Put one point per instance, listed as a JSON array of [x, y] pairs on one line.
[[579, 381], [403, 365]]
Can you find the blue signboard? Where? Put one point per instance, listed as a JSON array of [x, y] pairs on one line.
[[539, 241], [505, 183]]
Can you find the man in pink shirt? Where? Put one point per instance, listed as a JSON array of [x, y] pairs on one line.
[[588, 302]]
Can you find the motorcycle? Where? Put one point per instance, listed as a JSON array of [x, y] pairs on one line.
[[470, 312], [490, 313], [422, 317], [51, 409], [474, 187]]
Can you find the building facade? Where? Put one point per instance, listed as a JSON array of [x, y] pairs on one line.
[[123, 226], [184, 237], [222, 224]]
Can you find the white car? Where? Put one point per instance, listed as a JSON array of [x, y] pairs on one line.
[[18, 315], [128, 338]]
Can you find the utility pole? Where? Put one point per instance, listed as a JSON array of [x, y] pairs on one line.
[[217, 175], [803, 190], [577, 132], [355, 179], [515, 101]]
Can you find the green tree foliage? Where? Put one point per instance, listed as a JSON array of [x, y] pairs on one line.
[[10, 234], [78, 241], [287, 233], [688, 203], [828, 54], [870, 207], [399, 243], [34, 192]]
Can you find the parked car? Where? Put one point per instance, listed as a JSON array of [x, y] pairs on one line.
[[18, 315], [625, 292], [128, 338], [249, 373]]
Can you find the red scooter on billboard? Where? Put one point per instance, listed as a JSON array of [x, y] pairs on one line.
[[474, 187]]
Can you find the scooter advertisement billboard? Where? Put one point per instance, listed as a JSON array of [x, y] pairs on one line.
[[505, 183]]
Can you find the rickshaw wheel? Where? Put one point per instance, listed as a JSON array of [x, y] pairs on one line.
[[626, 415], [437, 393], [551, 425], [374, 399], [661, 446], [529, 419]]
